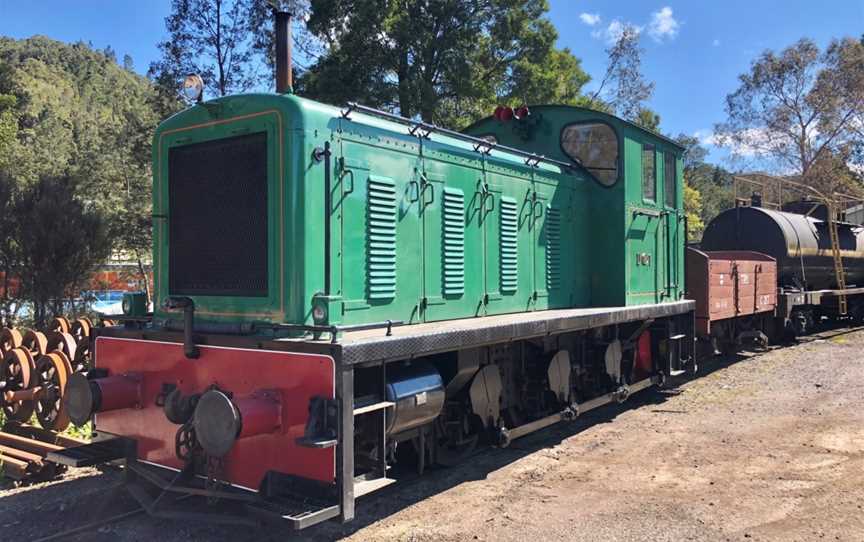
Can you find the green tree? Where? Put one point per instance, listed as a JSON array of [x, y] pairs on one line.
[[693, 211], [57, 253], [709, 187], [799, 109], [648, 119], [447, 62], [211, 38], [78, 114], [8, 126]]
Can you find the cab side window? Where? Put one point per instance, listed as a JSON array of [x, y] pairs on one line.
[[669, 174], [649, 173], [595, 146]]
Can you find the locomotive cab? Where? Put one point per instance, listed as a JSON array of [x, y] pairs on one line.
[[634, 181]]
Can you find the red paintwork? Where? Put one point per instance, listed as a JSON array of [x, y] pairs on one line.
[[295, 377], [260, 415], [118, 391], [642, 364]]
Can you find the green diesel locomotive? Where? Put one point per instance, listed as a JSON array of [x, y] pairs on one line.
[[342, 292]]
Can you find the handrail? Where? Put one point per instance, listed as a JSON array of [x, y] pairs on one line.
[[422, 130]]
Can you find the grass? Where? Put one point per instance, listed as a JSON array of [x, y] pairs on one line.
[[85, 432]]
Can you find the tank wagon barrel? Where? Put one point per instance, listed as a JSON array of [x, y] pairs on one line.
[[799, 243]]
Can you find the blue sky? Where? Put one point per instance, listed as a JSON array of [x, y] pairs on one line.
[[694, 51]]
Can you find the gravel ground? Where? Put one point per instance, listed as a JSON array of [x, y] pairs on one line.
[[770, 447]]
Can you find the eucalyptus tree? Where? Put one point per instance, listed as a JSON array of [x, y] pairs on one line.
[[800, 111]]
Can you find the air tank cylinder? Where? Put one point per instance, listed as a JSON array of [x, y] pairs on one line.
[[418, 393]]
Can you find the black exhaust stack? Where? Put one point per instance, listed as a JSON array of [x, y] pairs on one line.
[[284, 77]]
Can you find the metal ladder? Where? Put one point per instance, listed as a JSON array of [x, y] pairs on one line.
[[839, 271]]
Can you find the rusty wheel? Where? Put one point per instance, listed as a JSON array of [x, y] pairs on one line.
[[9, 338], [35, 341], [52, 372], [16, 374], [82, 328], [81, 361], [61, 324], [63, 342]]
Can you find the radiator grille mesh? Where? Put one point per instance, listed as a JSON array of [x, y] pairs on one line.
[[217, 225]]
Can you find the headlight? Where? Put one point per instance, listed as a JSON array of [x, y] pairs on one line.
[[193, 87], [319, 313]]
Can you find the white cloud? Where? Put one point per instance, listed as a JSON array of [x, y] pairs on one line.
[[716, 43], [750, 142], [614, 30], [590, 18], [663, 25], [706, 137]]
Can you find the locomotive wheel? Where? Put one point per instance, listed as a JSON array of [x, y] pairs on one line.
[[61, 324], [9, 338], [81, 328], [63, 342], [81, 361], [52, 372], [36, 342], [17, 372]]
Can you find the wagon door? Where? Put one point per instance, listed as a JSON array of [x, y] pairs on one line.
[[381, 234]]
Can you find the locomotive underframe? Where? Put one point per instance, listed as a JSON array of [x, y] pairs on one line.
[[364, 357]]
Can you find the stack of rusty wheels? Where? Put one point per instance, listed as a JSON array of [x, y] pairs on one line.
[[35, 366]]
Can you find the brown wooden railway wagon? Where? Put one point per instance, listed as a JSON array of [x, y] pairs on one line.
[[730, 284]]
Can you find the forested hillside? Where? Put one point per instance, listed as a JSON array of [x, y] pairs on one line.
[[75, 130]]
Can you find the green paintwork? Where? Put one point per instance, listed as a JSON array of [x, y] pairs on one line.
[[429, 229], [604, 264]]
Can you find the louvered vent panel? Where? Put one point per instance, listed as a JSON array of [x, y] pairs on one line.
[[509, 250], [453, 227], [553, 248], [381, 238]]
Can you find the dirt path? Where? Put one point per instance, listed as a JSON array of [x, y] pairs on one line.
[[768, 448]]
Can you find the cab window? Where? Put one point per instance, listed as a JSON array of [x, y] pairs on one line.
[[669, 168], [649, 173], [595, 146]]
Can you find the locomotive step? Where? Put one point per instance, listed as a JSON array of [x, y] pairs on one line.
[[363, 487], [95, 453]]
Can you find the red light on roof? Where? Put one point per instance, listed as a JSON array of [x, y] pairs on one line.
[[522, 112], [503, 113]]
